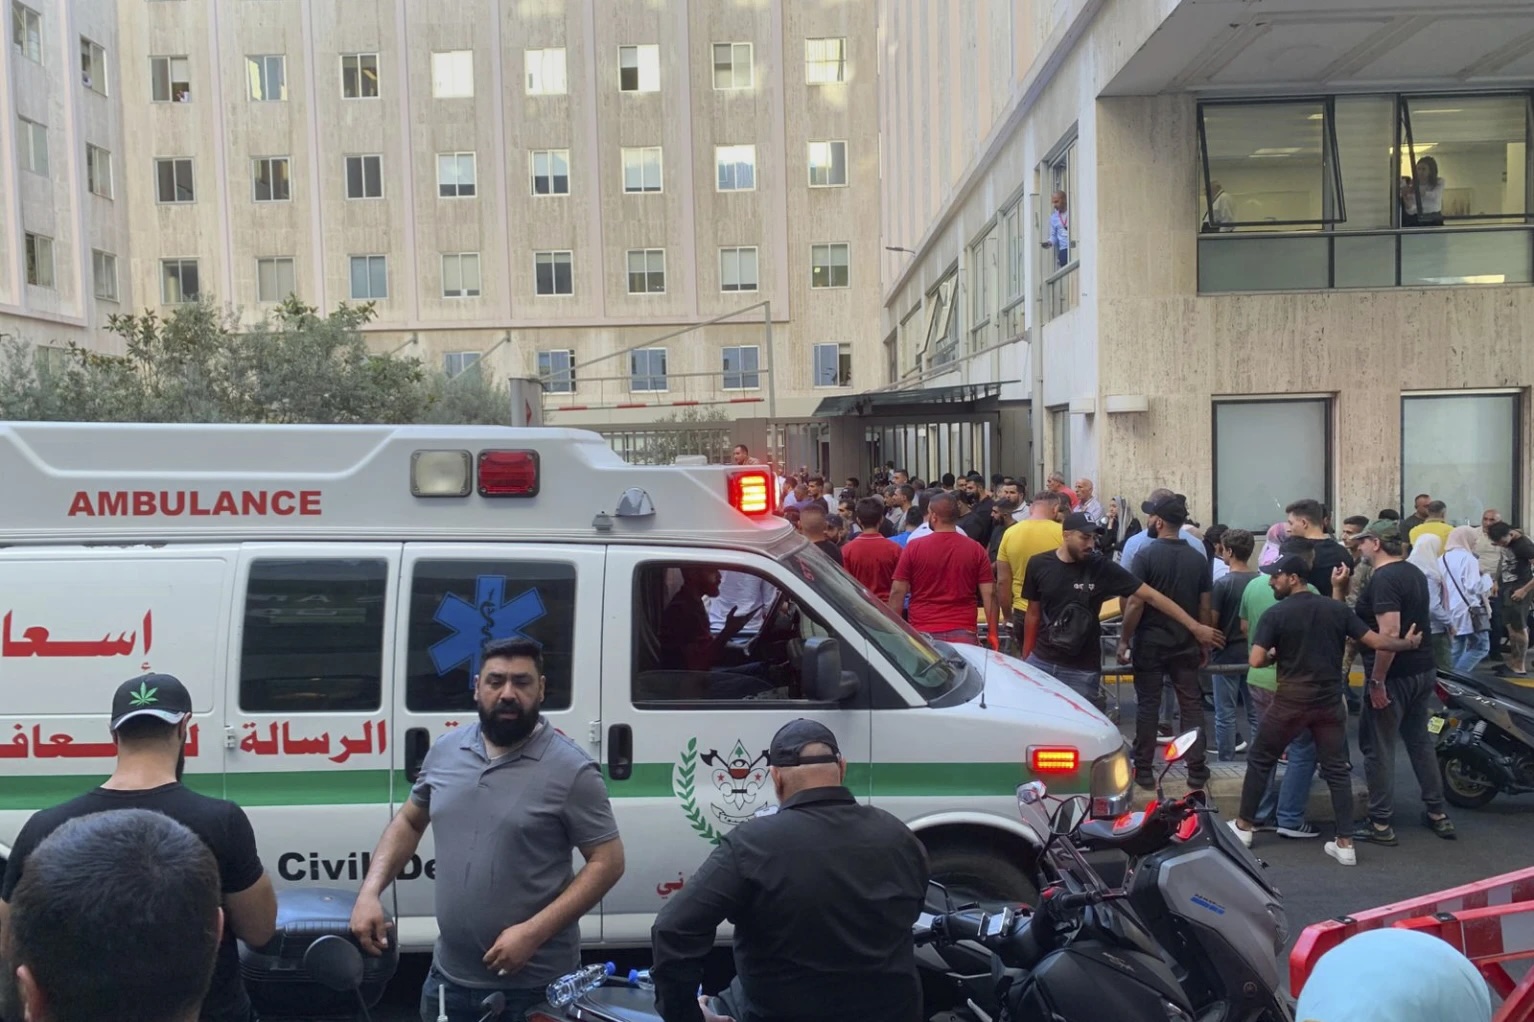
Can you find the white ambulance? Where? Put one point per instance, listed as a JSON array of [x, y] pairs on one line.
[[323, 592]]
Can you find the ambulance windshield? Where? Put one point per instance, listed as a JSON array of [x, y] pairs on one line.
[[923, 666]]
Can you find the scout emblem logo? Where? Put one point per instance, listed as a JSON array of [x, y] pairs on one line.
[[490, 616], [733, 791]]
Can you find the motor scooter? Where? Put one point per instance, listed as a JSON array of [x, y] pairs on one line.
[[1485, 738]]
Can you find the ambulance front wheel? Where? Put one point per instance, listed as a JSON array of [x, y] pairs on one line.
[[987, 874]]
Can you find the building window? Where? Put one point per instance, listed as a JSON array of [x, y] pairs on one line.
[[272, 181], [1251, 493], [98, 171], [647, 369], [732, 65], [639, 68], [1063, 214], [275, 279], [551, 273], [39, 259], [833, 365], [364, 177], [740, 368], [178, 281], [173, 180], [737, 269], [455, 175], [359, 76], [942, 341], [460, 275], [27, 32], [170, 80], [370, 277], [452, 74], [268, 76], [545, 72], [556, 369], [736, 166], [642, 169], [551, 172], [1464, 450], [647, 271], [93, 66], [828, 164], [456, 363], [104, 274], [33, 143], [1268, 165], [828, 265], [1013, 225], [825, 61]]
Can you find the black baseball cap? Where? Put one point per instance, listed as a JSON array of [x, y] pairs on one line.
[[151, 695], [1173, 509], [794, 736], [1078, 521], [1293, 564]]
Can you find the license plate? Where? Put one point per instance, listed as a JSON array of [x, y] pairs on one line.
[[1434, 725]]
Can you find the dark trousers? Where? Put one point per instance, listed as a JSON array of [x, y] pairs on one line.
[[1285, 719], [1403, 722], [1151, 678]]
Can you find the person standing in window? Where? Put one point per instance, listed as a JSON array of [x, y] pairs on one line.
[[1222, 210], [1059, 229], [1422, 196]]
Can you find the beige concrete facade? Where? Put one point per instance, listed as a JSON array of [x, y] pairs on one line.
[[222, 129]]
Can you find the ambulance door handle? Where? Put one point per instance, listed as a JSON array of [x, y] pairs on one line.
[[620, 752], [417, 742]]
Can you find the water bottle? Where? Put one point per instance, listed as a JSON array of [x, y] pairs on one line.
[[640, 979], [566, 990]]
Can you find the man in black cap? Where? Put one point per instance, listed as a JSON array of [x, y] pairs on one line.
[[823, 894], [150, 718], [1165, 650], [1066, 590], [1305, 633]]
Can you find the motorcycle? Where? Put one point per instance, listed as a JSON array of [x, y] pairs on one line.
[[334, 961], [1203, 896], [1485, 739]]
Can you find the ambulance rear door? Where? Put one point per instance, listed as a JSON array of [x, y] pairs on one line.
[[455, 597]]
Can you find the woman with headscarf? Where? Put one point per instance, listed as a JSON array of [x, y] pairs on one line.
[[1363, 979], [1427, 555], [1270, 545], [1468, 588]]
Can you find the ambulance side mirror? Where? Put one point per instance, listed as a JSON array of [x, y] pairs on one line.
[[824, 681]]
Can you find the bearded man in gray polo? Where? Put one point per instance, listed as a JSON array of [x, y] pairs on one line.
[[510, 798]]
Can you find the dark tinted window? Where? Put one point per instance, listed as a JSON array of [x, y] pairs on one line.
[[314, 636], [455, 606]]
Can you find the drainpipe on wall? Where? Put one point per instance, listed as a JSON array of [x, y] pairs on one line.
[[1035, 333]]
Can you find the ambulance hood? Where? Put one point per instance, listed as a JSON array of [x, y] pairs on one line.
[[1013, 685]]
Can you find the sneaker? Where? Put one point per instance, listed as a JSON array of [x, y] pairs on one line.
[[1443, 826], [1198, 781], [1164, 734], [1265, 826], [1304, 830], [1244, 836], [1376, 835], [1240, 747], [1146, 779], [1346, 856]]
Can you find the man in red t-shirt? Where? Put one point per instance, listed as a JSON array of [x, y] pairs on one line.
[[942, 572], [869, 557]]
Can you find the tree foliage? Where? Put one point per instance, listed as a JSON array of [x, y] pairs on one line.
[[199, 365]]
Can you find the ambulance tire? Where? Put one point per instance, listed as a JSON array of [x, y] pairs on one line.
[[987, 874]]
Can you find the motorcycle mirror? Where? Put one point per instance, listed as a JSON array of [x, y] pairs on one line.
[[1028, 794], [1069, 814], [334, 962], [1180, 746], [1030, 808]]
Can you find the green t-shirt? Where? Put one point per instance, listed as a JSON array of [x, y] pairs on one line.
[[1255, 599]]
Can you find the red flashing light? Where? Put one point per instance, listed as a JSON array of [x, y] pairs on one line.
[[508, 473], [1052, 760], [751, 493]]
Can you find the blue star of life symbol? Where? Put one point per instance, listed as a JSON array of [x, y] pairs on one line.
[[490, 616]]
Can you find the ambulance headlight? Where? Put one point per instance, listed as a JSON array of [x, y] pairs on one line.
[[441, 474]]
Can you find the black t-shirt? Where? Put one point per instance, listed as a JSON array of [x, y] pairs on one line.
[[1225, 600], [223, 827], [1181, 574], [830, 549], [1521, 552], [1329, 554], [1308, 634], [978, 524], [1057, 584], [1400, 586]]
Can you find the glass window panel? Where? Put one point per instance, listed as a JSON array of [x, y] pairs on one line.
[[1369, 261], [378, 277], [1479, 145], [452, 74], [1476, 257], [1255, 478], [1262, 264], [1365, 137], [359, 277], [1463, 450], [1268, 160]]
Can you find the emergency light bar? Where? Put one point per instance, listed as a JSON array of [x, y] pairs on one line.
[[751, 493], [451, 474], [440, 474], [508, 473], [1045, 760]]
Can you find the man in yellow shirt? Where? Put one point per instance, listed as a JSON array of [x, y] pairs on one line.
[[1434, 525], [1036, 534]]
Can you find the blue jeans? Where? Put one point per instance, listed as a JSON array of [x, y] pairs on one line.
[[1085, 683], [463, 1003], [1228, 689], [1469, 650], [1285, 800]]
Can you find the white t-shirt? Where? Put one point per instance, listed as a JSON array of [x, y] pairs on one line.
[[743, 591]]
